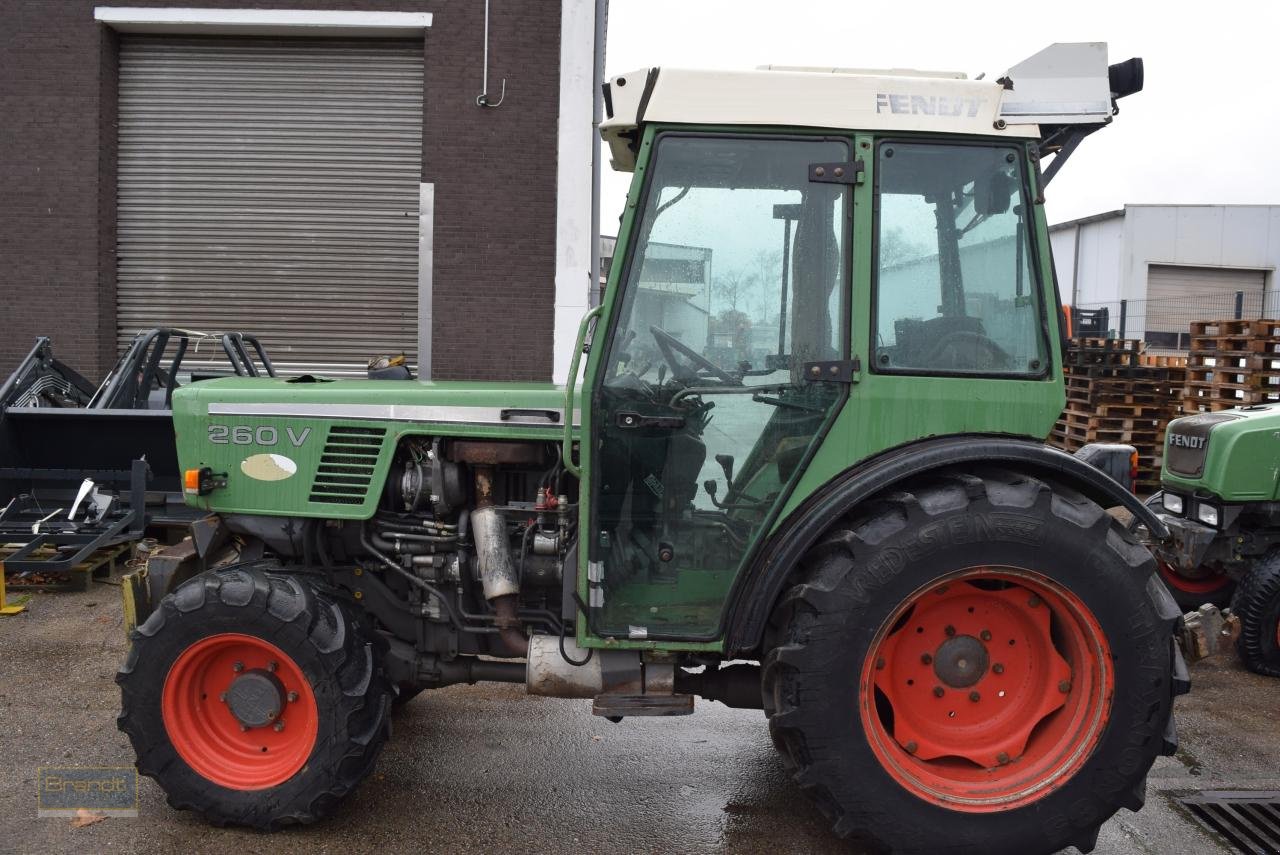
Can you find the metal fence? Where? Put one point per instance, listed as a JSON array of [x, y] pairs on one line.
[[1164, 324]]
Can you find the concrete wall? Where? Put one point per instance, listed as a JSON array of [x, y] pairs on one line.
[[495, 173]]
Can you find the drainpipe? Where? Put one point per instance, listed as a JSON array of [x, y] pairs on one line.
[[1075, 269], [597, 116]]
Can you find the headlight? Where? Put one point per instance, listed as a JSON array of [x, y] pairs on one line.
[[1173, 503], [1207, 514]]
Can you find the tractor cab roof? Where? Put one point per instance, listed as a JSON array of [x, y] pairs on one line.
[[1067, 85]]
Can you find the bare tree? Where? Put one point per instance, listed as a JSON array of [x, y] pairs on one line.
[[897, 248], [734, 288]]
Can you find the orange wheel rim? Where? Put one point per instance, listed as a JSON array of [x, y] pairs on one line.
[[1205, 585], [987, 689], [239, 711]]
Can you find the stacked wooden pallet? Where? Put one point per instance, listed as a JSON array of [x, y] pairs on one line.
[[1116, 393], [1233, 363]]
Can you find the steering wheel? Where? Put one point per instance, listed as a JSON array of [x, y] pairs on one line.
[[669, 345], [966, 350]]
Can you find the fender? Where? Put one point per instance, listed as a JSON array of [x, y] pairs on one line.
[[759, 586]]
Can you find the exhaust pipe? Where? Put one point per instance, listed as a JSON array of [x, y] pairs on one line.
[[497, 574]]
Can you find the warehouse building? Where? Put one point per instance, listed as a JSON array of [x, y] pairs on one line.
[[333, 176], [1153, 269]]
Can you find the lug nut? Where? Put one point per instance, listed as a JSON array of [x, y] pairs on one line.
[[938, 691], [272, 714], [222, 696], [278, 726], [997, 668], [911, 747], [244, 728], [293, 696], [271, 666], [985, 635], [1002, 758], [950, 631], [975, 697], [1064, 686], [238, 667], [926, 659]]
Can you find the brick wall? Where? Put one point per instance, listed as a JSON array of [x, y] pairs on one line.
[[494, 171]]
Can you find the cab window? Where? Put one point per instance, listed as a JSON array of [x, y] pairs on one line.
[[956, 291]]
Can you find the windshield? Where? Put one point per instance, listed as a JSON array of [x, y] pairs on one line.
[[737, 265]]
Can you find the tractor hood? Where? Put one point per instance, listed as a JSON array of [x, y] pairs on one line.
[[281, 444], [507, 405], [1233, 454]]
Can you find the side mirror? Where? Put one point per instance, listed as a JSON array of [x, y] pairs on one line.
[[993, 195]]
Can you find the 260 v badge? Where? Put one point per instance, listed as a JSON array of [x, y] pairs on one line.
[[264, 435]]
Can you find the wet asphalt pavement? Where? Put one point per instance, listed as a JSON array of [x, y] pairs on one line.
[[485, 768]]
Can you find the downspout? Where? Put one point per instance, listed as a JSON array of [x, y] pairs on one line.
[[1075, 269], [597, 116]]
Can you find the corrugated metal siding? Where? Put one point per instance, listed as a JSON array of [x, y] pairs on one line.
[[1175, 282], [272, 185]]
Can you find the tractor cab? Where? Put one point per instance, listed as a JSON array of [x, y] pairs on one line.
[[776, 274]]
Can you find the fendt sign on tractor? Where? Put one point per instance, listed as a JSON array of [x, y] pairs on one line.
[[851, 523]]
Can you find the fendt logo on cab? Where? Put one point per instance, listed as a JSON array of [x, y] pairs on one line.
[[928, 105], [1183, 441]]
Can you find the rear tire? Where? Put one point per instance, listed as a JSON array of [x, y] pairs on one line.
[[1257, 603], [244, 642], [894, 770]]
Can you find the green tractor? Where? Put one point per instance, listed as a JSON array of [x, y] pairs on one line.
[[1221, 502], [842, 514]]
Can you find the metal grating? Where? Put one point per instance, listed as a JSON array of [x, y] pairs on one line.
[[1248, 820], [346, 465]]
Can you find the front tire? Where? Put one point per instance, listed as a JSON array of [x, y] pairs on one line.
[[982, 664], [1257, 603], [253, 698]]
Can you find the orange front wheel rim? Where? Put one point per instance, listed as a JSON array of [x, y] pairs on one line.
[[239, 711], [1205, 585], [987, 689]]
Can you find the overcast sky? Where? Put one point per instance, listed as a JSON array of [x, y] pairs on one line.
[[1203, 131]]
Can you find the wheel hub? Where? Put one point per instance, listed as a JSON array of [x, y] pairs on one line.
[[971, 673], [256, 698], [240, 711], [961, 661]]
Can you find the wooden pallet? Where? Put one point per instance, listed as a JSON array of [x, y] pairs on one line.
[[1154, 361], [1236, 328], [99, 565], [1233, 361], [1133, 344], [1234, 345], [1191, 406]]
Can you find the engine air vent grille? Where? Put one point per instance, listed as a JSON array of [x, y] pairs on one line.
[[347, 464]]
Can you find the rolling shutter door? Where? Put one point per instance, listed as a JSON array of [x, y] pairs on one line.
[[271, 186], [1178, 295], [1203, 284]]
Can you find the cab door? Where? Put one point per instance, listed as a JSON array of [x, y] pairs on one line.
[[724, 357]]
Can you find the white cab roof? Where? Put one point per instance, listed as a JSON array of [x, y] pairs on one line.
[[1063, 84]]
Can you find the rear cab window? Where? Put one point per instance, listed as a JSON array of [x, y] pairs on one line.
[[957, 289]]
